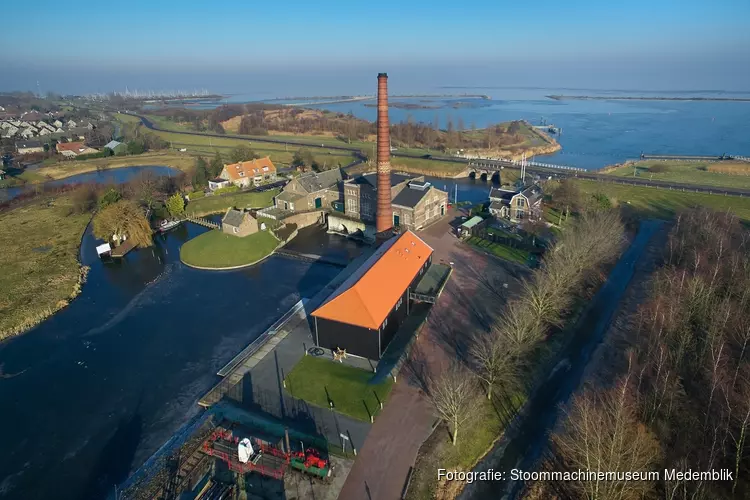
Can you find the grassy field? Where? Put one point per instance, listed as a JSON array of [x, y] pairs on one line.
[[498, 249], [215, 249], [25, 177], [215, 204], [653, 202], [719, 174], [39, 271], [316, 379], [67, 168], [475, 439], [279, 153]]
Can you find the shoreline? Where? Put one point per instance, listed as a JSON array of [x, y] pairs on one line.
[[643, 98]]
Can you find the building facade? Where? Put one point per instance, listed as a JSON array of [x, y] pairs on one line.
[[247, 173], [517, 206], [314, 190], [363, 315], [415, 203], [239, 223]]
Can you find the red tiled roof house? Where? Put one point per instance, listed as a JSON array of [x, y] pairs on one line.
[[245, 173]]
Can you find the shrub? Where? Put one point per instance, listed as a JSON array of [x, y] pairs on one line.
[[196, 195], [228, 189]]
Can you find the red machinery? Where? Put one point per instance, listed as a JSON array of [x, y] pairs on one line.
[[310, 458], [267, 460]]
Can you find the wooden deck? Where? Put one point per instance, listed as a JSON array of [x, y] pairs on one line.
[[122, 249]]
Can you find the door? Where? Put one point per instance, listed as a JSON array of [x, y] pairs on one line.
[[318, 202], [442, 210], [396, 220]]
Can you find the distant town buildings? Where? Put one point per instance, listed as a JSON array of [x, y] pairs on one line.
[[73, 149], [117, 147], [28, 147]]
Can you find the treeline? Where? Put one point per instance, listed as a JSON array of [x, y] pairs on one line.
[[259, 119], [503, 359], [679, 398]]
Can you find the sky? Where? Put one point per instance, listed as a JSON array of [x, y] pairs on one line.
[[308, 48]]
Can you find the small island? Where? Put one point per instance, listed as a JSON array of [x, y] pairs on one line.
[[239, 243], [218, 250]]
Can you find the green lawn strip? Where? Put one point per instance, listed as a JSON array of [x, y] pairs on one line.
[[686, 172], [428, 167], [216, 204], [217, 249], [660, 202], [316, 379], [475, 439], [500, 250]]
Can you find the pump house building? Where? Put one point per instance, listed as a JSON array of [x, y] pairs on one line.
[[364, 313]]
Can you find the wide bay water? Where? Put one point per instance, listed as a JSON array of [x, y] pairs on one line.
[[595, 133]]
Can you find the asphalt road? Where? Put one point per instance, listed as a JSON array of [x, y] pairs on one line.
[[542, 172]]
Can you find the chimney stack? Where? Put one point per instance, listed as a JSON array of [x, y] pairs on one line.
[[384, 218]]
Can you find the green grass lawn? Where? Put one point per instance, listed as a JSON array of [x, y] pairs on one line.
[[348, 387], [498, 249], [428, 167], [39, 270], [217, 249], [663, 203], [686, 172], [216, 204]]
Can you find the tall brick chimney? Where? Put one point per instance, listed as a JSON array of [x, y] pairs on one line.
[[384, 218]]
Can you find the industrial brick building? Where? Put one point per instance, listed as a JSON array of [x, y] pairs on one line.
[[415, 203], [364, 313]]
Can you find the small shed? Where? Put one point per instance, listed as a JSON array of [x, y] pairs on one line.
[[117, 147], [466, 228], [239, 223]]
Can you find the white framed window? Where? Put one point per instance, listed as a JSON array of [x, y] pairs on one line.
[[234, 229], [351, 205]]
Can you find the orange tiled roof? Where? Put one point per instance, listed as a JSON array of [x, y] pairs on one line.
[[70, 146], [366, 299], [250, 168]]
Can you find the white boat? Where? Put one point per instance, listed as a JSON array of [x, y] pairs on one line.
[[166, 225]]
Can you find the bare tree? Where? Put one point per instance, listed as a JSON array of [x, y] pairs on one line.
[[602, 433], [495, 364], [453, 395]]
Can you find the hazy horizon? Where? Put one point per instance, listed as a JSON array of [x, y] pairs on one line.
[[335, 48]]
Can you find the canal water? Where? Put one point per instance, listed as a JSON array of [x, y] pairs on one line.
[[111, 176], [93, 391]]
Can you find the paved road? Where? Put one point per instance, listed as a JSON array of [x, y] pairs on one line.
[[675, 186], [391, 448]]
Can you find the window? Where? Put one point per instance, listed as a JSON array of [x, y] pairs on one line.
[[234, 229], [385, 323], [351, 205], [521, 202], [242, 174], [519, 214]]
